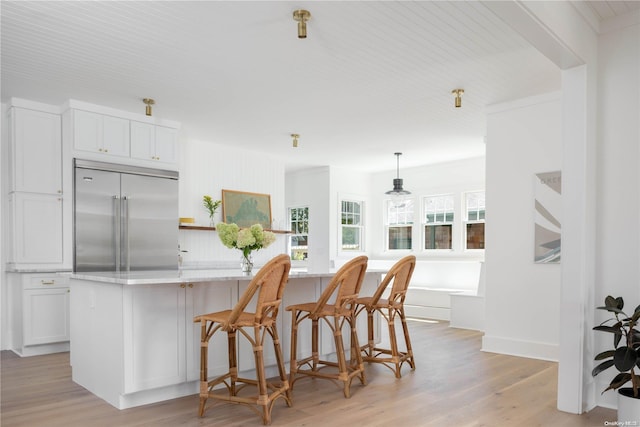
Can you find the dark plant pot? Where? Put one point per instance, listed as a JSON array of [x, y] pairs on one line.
[[628, 407]]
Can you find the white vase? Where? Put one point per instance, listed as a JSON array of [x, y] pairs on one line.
[[628, 407]]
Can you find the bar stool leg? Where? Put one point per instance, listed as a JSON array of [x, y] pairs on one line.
[[204, 352], [407, 340]]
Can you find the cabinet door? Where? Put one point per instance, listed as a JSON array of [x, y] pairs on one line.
[[154, 336], [87, 131], [46, 316], [143, 141], [38, 228], [203, 298], [36, 142], [166, 147], [116, 136]]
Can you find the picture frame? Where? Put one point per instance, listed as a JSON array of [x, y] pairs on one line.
[[245, 209]]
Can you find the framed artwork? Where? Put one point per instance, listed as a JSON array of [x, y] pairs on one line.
[[246, 209], [548, 206]]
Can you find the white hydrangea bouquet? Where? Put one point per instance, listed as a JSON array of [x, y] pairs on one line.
[[245, 239]]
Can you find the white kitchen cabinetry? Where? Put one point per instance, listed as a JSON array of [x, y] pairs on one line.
[[100, 133], [35, 203], [37, 228], [162, 343], [36, 151], [40, 316], [151, 142], [143, 337]]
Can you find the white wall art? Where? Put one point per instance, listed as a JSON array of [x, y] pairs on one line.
[[548, 206]]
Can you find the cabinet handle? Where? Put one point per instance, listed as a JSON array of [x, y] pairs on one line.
[[48, 282], [191, 285], [106, 151], [182, 285]]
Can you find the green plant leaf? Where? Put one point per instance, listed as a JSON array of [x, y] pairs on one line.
[[619, 381], [605, 354], [625, 358], [605, 328], [611, 309], [601, 367]]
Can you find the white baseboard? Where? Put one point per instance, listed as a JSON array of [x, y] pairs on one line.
[[530, 349]]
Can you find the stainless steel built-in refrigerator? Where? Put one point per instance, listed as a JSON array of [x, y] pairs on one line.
[[125, 218]]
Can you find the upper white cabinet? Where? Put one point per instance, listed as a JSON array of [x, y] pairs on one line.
[[100, 133], [105, 134], [151, 142], [36, 151]]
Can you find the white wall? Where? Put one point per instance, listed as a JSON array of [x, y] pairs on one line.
[[618, 208], [522, 298], [207, 168]]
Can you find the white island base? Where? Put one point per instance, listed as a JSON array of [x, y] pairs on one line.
[[133, 340]]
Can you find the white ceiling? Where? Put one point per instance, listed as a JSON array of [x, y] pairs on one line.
[[372, 78]]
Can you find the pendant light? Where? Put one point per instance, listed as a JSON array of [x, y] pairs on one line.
[[397, 182]]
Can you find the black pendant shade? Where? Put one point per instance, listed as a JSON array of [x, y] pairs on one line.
[[397, 182]]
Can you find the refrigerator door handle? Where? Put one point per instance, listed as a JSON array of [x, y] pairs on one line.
[[125, 238], [116, 231]]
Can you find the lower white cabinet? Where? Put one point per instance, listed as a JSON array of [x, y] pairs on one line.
[[40, 313], [161, 341]]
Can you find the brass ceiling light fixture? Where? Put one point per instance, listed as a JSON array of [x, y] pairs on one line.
[[149, 102], [295, 137], [458, 93], [397, 182], [302, 16]]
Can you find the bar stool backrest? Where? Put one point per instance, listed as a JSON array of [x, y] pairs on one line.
[[400, 274], [270, 281], [345, 284]]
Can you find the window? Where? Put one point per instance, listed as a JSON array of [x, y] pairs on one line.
[[299, 239], [474, 225], [438, 221], [399, 224], [351, 225]]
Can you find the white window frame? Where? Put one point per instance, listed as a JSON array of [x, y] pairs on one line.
[[406, 222], [467, 221], [360, 227], [424, 223], [293, 234]]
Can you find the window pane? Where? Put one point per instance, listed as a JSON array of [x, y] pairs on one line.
[[475, 235], [437, 236], [350, 238], [400, 237], [439, 209]]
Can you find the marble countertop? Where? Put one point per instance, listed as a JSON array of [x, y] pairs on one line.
[[186, 276]]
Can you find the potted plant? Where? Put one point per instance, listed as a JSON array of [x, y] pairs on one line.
[[625, 357]]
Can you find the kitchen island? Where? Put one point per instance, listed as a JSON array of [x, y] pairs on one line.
[[133, 340]]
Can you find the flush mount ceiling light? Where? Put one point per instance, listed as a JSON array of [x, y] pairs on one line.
[[397, 182], [302, 16], [458, 93], [149, 102], [295, 137]]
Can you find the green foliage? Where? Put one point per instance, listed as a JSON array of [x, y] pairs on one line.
[[211, 205], [624, 357]]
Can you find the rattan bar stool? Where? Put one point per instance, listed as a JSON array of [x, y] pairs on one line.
[[269, 283], [344, 286], [390, 309]]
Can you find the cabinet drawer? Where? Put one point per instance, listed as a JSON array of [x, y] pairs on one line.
[[46, 282]]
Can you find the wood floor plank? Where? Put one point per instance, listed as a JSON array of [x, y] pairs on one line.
[[454, 384]]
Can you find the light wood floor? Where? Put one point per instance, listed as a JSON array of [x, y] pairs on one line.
[[455, 384]]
